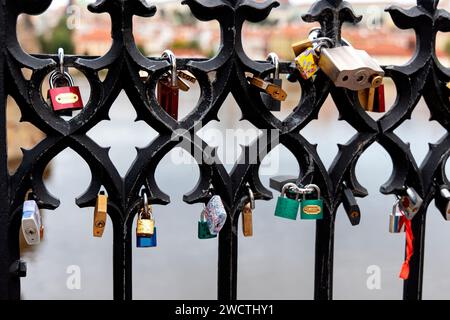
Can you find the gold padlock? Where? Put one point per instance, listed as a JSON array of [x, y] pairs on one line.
[[101, 209], [247, 220], [301, 46], [145, 223]]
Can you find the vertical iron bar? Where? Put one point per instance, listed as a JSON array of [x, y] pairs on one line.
[[412, 288], [227, 269], [4, 176], [323, 282], [122, 267]]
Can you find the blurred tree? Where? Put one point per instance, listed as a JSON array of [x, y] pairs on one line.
[[184, 18], [59, 37]]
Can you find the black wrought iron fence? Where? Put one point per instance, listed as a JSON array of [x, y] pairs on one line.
[[218, 77]]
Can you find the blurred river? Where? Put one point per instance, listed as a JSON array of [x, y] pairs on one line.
[[276, 263]]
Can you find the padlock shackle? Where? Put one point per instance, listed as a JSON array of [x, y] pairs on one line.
[[275, 60], [61, 60], [251, 197], [411, 193], [168, 54], [292, 186], [56, 75], [315, 187]]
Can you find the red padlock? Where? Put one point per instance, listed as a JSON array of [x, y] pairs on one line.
[[168, 88], [64, 98]]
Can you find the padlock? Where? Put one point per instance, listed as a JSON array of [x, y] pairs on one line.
[[147, 242], [351, 207], [349, 68], [306, 63], [442, 202], [63, 95], [286, 207], [100, 213], [203, 228], [247, 220], [274, 91], [396, 219], [247, 214], [274, 103], [185, 75], [410, 203], [32, 228], [312, 209], [215, 214], [168, 90], [145, 225], [373, 99]]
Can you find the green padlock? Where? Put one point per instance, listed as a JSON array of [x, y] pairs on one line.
[[312, 209], [203, 229], [286, 207]]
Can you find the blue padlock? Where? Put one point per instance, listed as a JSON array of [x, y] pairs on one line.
[[147, 242]]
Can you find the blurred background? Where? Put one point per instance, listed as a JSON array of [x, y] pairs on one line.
[[278, 261]]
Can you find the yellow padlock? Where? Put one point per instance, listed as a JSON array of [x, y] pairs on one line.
[[306, 63]]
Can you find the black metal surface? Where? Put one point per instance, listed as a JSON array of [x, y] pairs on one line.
[[423, 74]]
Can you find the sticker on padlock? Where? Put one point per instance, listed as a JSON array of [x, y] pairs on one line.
[[312, 209], [215, 214], [286, 207], [32, 228], [306, 63], [396, 219], [410, 203], [100, 214], [147, 242]]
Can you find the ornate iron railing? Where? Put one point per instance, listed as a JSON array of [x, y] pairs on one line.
[[218, 77]]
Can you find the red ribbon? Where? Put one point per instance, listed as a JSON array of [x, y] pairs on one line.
[[404, 273]]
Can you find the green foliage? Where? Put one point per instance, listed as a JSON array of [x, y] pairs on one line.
[[447, 47], [180, 44], [59, 37]]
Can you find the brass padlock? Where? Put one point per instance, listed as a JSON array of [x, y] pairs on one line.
[[349, 68], [100, 214], [275, 91], [372, 99], [247, 215], [145, 225], [247, 220]]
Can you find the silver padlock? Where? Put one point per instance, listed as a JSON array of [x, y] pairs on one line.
[[396, 225], [350, 68], [410, 203], [443, 202]]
